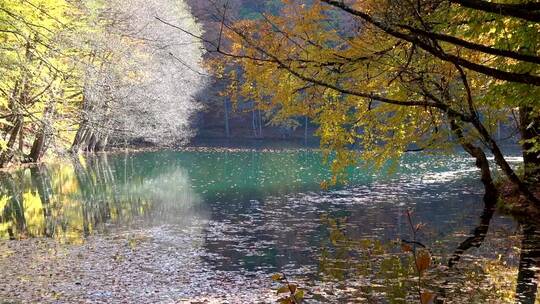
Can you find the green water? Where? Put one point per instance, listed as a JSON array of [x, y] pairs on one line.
[[245, 215]]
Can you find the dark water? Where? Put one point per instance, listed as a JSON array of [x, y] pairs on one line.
[[246, 215]]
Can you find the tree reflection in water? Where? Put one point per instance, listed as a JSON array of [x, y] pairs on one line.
[[69, 202], [529, 264], [377, 272]]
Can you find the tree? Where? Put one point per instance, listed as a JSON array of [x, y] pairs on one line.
[[144, 87], [83, 73], [425, 75], [37, 76]]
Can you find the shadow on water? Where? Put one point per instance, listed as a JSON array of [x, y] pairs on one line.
[[263, 212], [382, 272], [529, 264], [529, 259]]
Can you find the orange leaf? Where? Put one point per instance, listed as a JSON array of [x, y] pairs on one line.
[[423, 260], [406, 247]]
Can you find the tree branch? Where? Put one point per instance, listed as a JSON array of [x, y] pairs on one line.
[[528, 11], [486, 70]]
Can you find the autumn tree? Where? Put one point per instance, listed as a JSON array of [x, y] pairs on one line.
[[421, 75], [80, 73], [37, 78], [145, 74]]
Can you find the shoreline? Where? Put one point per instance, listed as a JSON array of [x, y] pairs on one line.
[[511, 202]]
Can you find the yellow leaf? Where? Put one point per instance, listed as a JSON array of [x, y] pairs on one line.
[[283, 289], [299, 295]]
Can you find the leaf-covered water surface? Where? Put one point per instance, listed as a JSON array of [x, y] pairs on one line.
[[213, 227]]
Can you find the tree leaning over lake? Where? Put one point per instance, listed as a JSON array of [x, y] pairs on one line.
[[385, 77]]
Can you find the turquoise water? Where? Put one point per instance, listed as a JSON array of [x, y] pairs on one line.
[[241, 216]]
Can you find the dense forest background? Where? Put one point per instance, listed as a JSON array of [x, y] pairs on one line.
[[223, 118]]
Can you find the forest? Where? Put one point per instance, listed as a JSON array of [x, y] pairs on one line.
[[84, 75]]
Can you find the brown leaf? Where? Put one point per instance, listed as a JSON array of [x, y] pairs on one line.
[[406, 247], [423, 260], [292, 288]]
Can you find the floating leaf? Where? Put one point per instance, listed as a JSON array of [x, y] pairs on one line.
[[277, 276]]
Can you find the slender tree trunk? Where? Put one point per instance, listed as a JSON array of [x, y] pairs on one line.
[[260, 124], [530, 131], [482, 162], [38, 147], [7, 155], [21, 138], [253, 123], [226, 108]]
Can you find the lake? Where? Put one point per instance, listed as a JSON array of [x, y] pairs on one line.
[[212, 226]]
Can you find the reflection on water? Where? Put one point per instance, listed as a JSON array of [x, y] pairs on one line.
[[250, 214], [70, 201]]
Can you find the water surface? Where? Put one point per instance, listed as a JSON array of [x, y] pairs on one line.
[[215, 225]]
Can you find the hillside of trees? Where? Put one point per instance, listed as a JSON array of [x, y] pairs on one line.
[[85, 75]]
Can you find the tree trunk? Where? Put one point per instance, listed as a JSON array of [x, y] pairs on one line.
[[226, 108], [482, 162], [77, 141], [102, 143], [6, 156], [530, 131], [92, 143], [260, 124], [38, 147], [253, 123], [503, 164]]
